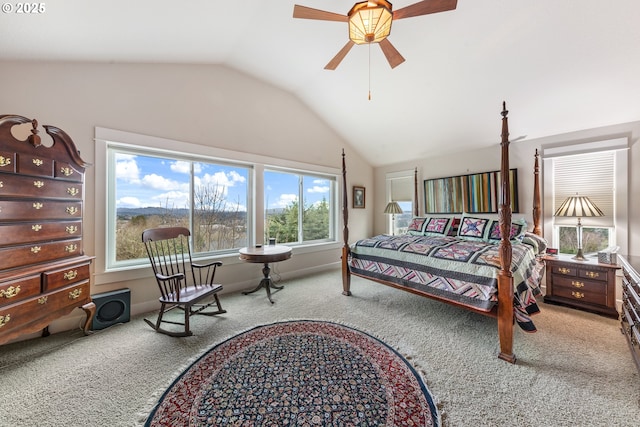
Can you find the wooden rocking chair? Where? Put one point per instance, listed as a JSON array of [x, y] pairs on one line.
[[182, 283]]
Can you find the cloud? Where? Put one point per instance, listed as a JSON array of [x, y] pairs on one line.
[[318, 189], [285, 200], [158, 182], [182, 166], [172, 200], [127, 168], [128, 202]]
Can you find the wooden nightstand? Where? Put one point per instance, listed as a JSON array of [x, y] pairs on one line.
[[587, 285]]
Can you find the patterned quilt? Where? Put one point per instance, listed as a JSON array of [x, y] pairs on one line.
[[460, 270]]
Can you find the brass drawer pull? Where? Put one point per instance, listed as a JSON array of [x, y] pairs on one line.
[[10, 292], [71, 274], [592, 274], [4, 161], [75, 294], [36, 249], [71, 248], [72, 210], [577, 294], [564, 270], [577, 284], [37, 162], [73, 191], [4, 320], [71, 229], [37, 205], [38, 184], [43, 300], [66, 171], [36, 227]]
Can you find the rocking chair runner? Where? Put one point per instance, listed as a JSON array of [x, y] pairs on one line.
[[182, 283]]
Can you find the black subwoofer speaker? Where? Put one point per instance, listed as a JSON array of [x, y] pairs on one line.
[[111, 308]]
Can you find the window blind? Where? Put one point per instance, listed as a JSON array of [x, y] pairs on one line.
[[402, 189], [591, 175]]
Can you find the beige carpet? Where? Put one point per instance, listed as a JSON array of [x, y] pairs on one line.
[[575, 371]]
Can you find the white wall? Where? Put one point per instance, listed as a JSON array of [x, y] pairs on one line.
[[201, 104]]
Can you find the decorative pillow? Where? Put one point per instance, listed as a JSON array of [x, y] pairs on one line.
[[518, 229], [437, 226], [416, 225], [473, 228], [455, 225], [536, 241]]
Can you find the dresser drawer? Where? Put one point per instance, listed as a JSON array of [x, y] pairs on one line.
[[40, 187], [53, 304], [16, 290], [11, 210], [67, 171], [35, 165], [578, 284], [65, 277], [581, 295], [7, 162], [17, 256], [31, 232]]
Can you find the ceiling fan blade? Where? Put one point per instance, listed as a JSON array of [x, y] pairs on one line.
[[305, 12], [333, 64], [425, 7], [393, 56]]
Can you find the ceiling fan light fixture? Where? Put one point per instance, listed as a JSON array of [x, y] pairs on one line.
[[370, 21]]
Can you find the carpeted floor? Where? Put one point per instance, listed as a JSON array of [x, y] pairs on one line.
[[575, 371]]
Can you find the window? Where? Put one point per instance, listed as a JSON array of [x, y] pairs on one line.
[[153, 190], [595, 170], [401, 189], [214, 192], [289, 221]]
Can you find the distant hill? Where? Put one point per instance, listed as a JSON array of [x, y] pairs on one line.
[[128, 213]]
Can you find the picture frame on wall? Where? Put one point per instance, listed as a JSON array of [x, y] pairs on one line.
[[358, 197]]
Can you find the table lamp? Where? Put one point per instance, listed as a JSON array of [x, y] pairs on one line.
[[393, 208], [580, 207]]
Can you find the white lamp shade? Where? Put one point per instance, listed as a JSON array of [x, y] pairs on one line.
[[393, 208], [578, 206]]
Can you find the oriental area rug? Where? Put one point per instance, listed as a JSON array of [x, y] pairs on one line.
[[298, 373]]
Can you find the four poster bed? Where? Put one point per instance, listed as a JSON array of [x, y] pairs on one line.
[[489, 266]]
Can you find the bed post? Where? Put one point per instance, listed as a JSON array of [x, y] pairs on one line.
[[537, 211], [346, 274], [416, 206], [505, 278]]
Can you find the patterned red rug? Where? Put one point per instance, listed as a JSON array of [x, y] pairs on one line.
[[298, 373]]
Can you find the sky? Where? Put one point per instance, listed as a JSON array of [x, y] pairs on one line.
[[144, 181]]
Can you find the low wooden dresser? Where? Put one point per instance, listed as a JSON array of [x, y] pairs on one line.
[[630, 315], [587, 285], [44, 273]]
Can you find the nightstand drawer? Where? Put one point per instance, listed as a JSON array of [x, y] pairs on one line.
[[593, 275], [579, 284], [582, 296], [564, 270]]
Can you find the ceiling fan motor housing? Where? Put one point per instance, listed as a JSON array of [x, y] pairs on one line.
[[370, 21]]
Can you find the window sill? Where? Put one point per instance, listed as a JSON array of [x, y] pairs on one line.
[[136, 272]]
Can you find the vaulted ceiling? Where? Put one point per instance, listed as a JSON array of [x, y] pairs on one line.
[[561, 66]]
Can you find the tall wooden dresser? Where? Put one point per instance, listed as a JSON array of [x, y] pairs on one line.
[[630, 315], [44, 273]]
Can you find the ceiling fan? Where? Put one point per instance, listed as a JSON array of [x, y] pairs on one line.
[[370, 22]]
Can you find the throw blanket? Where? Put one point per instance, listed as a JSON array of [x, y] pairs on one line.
[[461, 270]]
